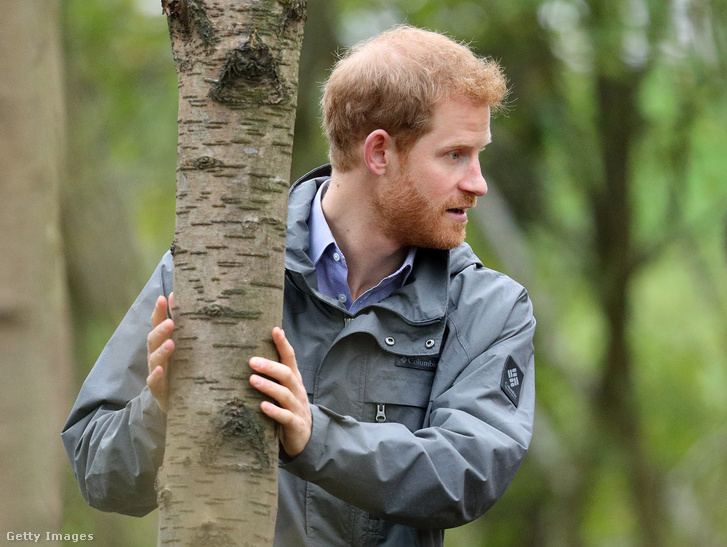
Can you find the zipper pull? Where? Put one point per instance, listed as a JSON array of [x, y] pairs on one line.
[[380, 413]]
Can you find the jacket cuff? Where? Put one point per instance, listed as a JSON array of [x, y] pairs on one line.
[[305, 463], [150, 417]]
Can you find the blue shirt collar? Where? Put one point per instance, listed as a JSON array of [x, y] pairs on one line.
[[320, 233], [332, 272]]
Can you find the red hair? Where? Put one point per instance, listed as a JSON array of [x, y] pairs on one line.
[[394, 81]]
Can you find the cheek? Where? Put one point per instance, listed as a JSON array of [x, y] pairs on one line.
[[432, 182], [439, 189]]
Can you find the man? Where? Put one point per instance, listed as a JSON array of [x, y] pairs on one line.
[[407, 405]]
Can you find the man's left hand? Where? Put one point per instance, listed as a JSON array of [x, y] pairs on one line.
[[293, 412]]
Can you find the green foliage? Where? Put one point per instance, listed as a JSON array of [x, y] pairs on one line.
[[123, 101], [550, 161], [119, 210]]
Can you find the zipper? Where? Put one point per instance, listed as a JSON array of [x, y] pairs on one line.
[[380, 413]]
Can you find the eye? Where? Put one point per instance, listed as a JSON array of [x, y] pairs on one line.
[[454, 155]]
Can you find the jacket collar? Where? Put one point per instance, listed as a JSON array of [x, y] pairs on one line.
[[422, 300], [297, 241]]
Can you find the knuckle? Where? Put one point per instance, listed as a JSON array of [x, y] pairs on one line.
[[158, 356], [288, 376]]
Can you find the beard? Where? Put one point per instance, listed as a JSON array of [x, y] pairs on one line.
[[408, 217]]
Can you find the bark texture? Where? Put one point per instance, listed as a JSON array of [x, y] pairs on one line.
[[34, 342], [237, 66]]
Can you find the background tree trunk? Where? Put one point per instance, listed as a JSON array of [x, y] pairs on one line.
[[34, 342], [237, 67]]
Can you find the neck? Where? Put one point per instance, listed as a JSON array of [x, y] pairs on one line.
[[349, 211]]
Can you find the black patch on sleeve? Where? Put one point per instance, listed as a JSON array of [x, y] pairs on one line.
[[512, 380]]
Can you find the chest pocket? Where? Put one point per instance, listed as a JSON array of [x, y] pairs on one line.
[[396, 393]]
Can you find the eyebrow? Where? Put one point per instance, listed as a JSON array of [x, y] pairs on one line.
[[466, 144]]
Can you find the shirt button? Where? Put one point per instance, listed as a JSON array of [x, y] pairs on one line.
[[342, 298], [390, 341], [429, 343], [336, 257]]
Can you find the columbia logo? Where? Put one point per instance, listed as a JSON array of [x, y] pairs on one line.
[[512, 375], [511, 380]]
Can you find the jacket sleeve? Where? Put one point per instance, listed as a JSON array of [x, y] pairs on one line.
[[455, 468], [115, 433]]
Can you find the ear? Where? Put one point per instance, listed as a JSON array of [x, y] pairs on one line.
[[378, 148]]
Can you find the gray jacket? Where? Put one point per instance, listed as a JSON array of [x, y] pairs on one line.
[[422, 404]]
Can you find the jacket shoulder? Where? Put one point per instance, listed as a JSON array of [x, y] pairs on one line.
[[466, 271], [484, 304]]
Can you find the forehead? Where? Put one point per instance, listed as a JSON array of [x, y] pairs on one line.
[[460, 121]]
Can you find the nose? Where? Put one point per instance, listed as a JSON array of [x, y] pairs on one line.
[[474, 182]]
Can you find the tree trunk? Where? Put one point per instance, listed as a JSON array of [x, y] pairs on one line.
[[237, 67], [617, 402], [34, 341]]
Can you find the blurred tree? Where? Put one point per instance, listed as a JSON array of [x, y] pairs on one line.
[[34, 325], [118, 203], [237, 64], [112, 157], [316, 58]]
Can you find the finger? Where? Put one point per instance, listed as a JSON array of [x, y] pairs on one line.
[[276, 391], [296, 427], [160, 311], [160, 356], [157, 383], [161, 333], [277, 371], [288, 377], [281, 415], [287, 357], [285, 350], [171, 303]]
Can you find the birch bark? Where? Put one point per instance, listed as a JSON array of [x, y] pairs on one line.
[[237, 64]]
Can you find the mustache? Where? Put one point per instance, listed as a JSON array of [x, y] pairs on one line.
[[466, 202]]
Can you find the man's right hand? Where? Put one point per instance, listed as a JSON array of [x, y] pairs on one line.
[[160, 346]]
